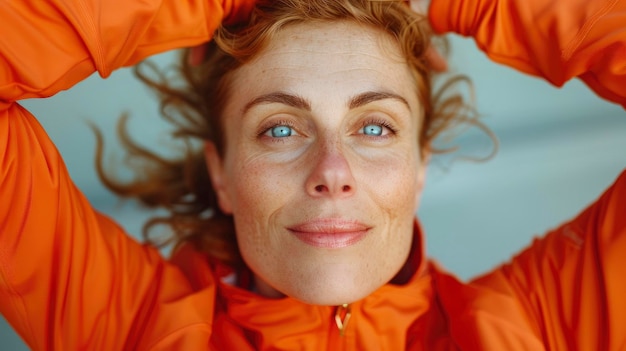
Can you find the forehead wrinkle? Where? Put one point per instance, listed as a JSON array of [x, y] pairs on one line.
[[346, 53]]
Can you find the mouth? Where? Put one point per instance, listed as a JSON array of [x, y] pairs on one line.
[[330, 233]]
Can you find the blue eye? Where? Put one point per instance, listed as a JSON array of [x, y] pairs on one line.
[[373, 129], [281, 131]]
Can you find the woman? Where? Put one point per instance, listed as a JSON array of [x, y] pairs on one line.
[[331, 132]]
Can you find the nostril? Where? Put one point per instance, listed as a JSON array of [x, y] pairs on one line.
[[321, 188]]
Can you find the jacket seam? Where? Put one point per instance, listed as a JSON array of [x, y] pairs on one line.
[[91, 32], [569, 50]]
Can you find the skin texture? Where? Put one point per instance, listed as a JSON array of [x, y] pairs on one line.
[[329, 174]]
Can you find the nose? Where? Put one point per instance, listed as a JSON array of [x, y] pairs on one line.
[[331, 175]]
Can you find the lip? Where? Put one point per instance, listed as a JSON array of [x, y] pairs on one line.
[[330, 233]]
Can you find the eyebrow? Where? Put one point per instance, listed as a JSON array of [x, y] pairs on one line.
[[372, 96], [303, 104], [281, 98]]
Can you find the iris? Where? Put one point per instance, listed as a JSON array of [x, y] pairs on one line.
[[281, 131], [373, 129]]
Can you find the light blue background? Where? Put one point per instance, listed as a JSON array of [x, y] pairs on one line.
[[559, 149]]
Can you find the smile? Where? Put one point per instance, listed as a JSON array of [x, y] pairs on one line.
[[330, 233]]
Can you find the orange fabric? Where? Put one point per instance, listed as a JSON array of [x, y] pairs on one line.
[[556, 40], [70, 279]]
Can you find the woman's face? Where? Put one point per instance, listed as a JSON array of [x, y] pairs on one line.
[[321, 168]]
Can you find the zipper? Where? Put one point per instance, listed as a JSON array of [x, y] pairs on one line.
[[342, 317], [339, 318]]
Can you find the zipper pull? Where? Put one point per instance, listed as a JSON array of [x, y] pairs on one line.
[[342, 317]]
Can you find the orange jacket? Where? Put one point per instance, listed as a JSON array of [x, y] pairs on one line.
[[553, 39], [70, 279]]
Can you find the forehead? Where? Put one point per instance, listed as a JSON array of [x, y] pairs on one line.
[[344, 56], [344, 36]]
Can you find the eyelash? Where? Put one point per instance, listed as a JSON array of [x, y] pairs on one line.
[[381, 122], [266, 127]]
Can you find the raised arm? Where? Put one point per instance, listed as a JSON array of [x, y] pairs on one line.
[[70, 279], [571, 282], [554, 39], [49, 45]]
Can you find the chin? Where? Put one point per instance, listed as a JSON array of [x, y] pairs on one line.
[[328, 278], [332, 297], [334, 290]]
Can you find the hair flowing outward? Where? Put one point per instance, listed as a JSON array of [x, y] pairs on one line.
[[193, 99]]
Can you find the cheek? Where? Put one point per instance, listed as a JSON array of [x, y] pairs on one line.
[[254, 185], [393, 181], [259, 191], [255, 200]]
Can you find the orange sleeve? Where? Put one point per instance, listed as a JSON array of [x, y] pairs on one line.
[[556, 40], [70, 279], [48, 46], [571, 283]]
